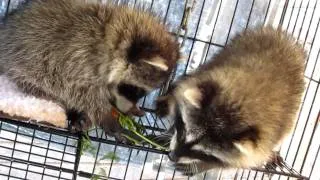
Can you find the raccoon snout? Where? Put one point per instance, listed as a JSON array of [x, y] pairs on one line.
[[173, 157], [136, 111]]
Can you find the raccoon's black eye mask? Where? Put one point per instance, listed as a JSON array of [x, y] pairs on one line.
[[185, 148]]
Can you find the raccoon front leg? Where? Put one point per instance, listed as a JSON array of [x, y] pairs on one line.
[[198, 167], [275, 161], [79, 121], [30, 89], [110, 125]]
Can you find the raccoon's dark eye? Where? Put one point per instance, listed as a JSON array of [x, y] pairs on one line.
[[131, 92]]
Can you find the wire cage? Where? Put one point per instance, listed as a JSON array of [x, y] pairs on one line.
[[32, 151]]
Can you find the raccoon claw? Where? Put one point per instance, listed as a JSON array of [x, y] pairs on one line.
[[276, 160], [122, 139], [185, 169], [180, 167], [79, 121], [85, 125], [136, 111], [188, 174], [117, 133], [119, 137]]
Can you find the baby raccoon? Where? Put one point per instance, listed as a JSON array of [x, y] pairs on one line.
[[234, 110], [87, 56]]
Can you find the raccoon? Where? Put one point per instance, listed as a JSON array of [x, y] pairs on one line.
[[235, 109], [88, 57]]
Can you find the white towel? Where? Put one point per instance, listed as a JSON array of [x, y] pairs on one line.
[[15, 103]]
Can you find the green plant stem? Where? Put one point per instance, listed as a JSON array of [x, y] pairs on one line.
[[132, 126], [149, 141]]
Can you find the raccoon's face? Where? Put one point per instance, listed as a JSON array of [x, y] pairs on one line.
[[208, 130], [125, 97], [143, 55], [144, 64]]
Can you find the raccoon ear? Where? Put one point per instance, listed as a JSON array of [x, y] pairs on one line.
[[158, 63], [245, 141], [193, 96], [202, 94], [246, 147], [209, 89]]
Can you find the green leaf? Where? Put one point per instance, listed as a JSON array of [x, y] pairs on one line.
[[103, 172], [139, 127], [92, 150], [127, 123], [134, 141], [95, 177], [111, 155], [87, 145]]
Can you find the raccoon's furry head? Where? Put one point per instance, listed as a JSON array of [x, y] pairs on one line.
[[209, 130], [235, 110], [144, 54]]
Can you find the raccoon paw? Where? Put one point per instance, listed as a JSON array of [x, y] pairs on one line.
[[186, 169], [118, 136], [122, 139], [276, 160], [115, 130], [79, 121]]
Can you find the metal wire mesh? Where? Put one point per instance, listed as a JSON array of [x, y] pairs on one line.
[[30, 151], [34, 153]]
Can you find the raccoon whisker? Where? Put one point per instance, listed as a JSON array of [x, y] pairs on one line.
[[164, 135], [167, 135], [166, 144], [156, 138], [160, 137]]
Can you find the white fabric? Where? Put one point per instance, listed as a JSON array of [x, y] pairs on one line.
[[15, 103]]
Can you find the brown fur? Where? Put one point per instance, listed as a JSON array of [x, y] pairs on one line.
[[267, 78], [245, 100], [76, 53]]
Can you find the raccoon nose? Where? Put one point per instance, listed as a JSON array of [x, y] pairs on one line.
[[173, 157], [136, 111]]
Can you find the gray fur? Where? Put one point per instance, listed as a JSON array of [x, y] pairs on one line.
[[66, 50]]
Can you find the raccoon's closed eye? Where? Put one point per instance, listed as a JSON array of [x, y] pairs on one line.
[[131, 92]]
